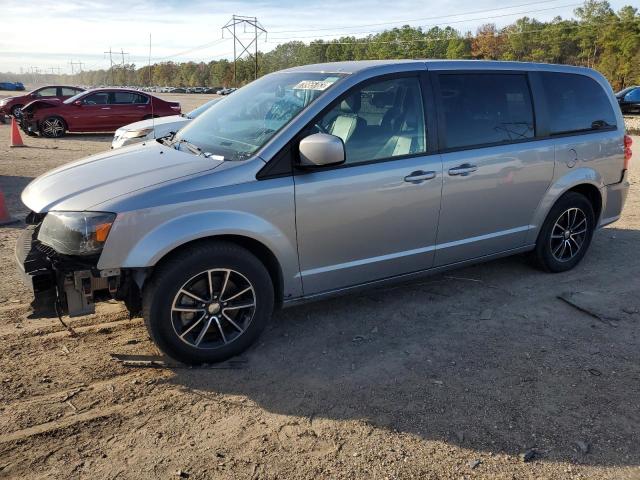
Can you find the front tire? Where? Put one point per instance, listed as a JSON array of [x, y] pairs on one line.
[[53, 127], [566, 233], [16, 111], [208, 303]]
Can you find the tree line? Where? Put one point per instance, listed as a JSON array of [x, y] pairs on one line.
[[598, 37]]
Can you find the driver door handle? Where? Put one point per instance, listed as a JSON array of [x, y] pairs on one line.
[[419, 176], [463, 170]]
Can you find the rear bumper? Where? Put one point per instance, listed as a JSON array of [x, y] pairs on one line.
[[614, 196]]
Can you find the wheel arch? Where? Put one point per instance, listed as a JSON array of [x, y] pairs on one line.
[[55, 115], [585, 181], [257, 248]]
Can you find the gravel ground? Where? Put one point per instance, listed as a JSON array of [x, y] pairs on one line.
[[461, 376]]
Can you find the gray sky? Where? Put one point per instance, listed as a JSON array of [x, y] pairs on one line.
[[51, 34]]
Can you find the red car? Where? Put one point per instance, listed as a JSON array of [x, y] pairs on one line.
[[12, 105], [97, 110]]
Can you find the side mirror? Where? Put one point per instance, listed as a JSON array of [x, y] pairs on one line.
[[321, 149], [78, 103]]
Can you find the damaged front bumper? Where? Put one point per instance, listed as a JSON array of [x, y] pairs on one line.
[[28, 125], [61, 284]]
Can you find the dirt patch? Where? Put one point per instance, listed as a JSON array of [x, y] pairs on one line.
[[464, 375]]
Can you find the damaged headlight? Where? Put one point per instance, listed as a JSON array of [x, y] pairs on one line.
[[143, 132], [76, 233]]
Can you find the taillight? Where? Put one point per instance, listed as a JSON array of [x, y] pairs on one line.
[[628, 141]]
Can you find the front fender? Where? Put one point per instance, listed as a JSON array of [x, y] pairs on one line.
[[561, 185], [149, 249]]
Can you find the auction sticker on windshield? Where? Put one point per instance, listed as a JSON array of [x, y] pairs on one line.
[[314, 84]]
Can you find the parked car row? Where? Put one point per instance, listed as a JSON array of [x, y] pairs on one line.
[[181, 89]]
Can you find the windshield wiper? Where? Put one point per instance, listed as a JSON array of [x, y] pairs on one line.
[[190, 146]]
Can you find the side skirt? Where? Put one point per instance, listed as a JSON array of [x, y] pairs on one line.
[[405, 278]]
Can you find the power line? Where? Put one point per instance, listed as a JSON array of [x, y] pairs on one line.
[[440, 24], [415, 19]]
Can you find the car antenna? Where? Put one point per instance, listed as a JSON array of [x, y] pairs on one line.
[[153, 120]]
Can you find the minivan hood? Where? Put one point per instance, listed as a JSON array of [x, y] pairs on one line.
[[79, 185], [157, 122]]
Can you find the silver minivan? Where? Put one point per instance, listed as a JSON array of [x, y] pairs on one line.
[[322, 179]]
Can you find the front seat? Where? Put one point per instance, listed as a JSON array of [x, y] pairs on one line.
[[408, 139], [348, 123]]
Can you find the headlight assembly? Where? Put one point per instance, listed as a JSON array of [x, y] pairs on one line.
[[76, 233], [143, 132]]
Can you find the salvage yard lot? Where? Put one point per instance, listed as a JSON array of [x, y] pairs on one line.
[[457, 376]]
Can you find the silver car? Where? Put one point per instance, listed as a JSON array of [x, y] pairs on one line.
[[153, 128], [322, 179]]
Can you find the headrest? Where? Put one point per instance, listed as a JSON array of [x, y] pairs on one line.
[[351, 104]]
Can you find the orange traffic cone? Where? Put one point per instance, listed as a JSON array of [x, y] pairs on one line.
[[16, 139], [5, 218]]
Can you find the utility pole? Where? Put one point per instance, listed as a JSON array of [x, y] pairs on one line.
[[72, 63], [111, 62], [258, 30], [124, 71], [123, 54]]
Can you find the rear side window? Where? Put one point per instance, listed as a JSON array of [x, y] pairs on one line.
[[485, 108], [69, 92], [126, 98], [576, 103]]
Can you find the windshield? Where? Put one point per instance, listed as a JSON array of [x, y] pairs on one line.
[[197, 111], [75, 97], [245, 121]]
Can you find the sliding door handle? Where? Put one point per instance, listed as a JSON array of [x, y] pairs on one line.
[[463, 170], [419, 176]]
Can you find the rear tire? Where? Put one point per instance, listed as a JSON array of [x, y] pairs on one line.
[[208, 303], [53, 127], [566, 233]]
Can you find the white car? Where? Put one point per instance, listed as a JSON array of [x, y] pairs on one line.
[[156, 127]]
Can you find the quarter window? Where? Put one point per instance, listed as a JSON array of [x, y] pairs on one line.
[[481, 109], [380, 120], [576, 103]]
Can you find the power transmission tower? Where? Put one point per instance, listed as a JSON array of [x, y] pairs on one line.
[[258, 29]]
